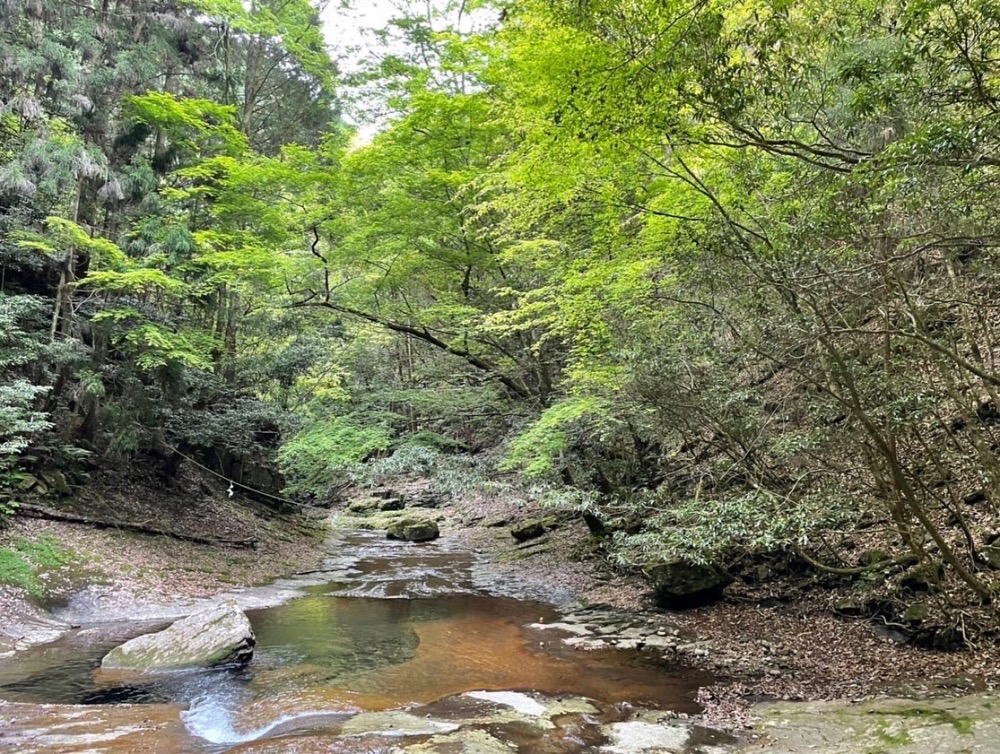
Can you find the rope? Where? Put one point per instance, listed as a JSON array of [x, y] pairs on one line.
[[233, 482]]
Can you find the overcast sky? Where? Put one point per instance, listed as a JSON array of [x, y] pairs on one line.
[[348, 32], [343, 26]]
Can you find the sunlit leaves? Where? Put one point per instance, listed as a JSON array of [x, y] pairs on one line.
[[140, 281], [539, 451], [198, 124], [154, 346]]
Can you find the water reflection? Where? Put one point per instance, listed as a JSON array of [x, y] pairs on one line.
[[331, 653]]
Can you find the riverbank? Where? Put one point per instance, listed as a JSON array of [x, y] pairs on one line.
[[783, 669], [763, 646], [121, 574]]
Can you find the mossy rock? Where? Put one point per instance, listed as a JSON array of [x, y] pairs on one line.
[[925, 577], [56, 481], [378, 520], [427, 499], [680, 584], [874, 557], [852, 608], [533, 528], [392, 504], [218, 635], [363, 505], [413, 530], [917, 612]]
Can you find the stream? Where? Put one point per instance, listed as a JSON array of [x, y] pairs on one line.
[[390, 647]]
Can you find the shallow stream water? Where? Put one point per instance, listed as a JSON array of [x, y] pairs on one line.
[[385, 626]]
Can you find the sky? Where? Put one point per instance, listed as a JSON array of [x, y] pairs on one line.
[[345, 31], [348, 34], [343, 26]]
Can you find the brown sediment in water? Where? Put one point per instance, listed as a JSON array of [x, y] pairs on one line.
[[483, 645], [494, 652]]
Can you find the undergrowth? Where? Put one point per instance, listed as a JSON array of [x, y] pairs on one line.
[[22, 564]]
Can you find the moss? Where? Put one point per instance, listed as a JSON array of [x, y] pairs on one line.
[[962, 725], [43, 552], [887, 740], [21, 564], [894, 739], [16, 571]]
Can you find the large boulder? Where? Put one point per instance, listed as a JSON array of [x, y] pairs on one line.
[[680, 584], [219, 635], [413, 530], [363, 506], [426, 499]]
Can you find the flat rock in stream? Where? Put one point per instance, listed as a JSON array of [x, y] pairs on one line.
[[219, 635], [395, 723], [24, 626], [638, 736], [462, 742]]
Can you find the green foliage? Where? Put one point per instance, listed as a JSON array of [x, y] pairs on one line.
[[412, 459], [196, 124], [155, 346], [322, 456], [21, 423], [150, 202], [63, 235], [21, 564], [540, 450], [709, 531], [135, 282], [16, 571]]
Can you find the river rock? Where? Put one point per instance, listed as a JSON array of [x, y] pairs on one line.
[[426, 499], [532, 528], [655, 641], [680, 584], [395, 723], [461, 742], [218, 635], [413, 530], [638, 736], [363, 505], [392, 504]]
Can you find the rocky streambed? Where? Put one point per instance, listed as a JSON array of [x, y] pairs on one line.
[[441, 646], [388, 646]]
